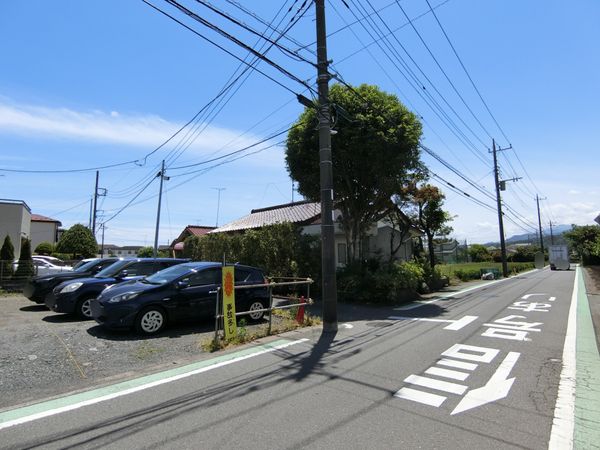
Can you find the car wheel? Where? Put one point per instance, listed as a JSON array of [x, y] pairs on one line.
[[255, 310], [150, 320], [84, 308]]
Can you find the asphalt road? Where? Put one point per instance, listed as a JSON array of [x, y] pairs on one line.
[[475, 371]]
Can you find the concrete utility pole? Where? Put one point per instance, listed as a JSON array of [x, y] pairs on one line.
[[551, 234], [95, 204], [537, 199], [219, 189], [162, 176], [329, 292], [500, 218]]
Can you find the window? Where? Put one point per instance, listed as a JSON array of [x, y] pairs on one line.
[[204, 277], [342, 256], [142, 268]]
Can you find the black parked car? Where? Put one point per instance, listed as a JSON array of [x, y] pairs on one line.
[[75, 296], [186, 291], [37, 288]]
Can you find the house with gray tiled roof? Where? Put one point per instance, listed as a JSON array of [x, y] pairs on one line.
[[302, 213], [308, 216]]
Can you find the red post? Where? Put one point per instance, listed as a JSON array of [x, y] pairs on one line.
[[300, 314]]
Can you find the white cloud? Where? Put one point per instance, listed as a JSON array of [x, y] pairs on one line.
[[107, 127], [574, 192]]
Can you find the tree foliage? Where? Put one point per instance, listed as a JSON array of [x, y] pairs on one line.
[[78, 241], [585, 240], [25, 269], [430, 215], [280, 250], [148, 252], [44, 248], [374, 152], [479, 253], [7, 255]]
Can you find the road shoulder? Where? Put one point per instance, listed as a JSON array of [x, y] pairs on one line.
[[587, 408]]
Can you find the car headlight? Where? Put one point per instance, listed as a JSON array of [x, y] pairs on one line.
[[70, 288], [123, 297]]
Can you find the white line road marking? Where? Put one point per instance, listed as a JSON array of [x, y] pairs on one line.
[[496, 388], [551, 299], [446, 373], [457, 364], [461, 323], [563, 424], [103, 398], [455, 324], [471, 353], [438, 385], [420, 397]]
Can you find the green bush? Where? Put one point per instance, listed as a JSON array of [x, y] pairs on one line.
[[281, 250], [44, 248], [7, 255], [385, 284]]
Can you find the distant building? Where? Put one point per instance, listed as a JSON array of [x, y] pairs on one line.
[[126, 251], [44, 229], [176, 246]]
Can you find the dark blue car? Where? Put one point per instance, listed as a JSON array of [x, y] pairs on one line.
[[37, 288], [75, 296], [186, 291]]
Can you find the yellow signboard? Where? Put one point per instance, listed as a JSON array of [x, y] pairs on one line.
[[229, 321]]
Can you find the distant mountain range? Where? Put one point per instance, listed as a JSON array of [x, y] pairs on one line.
[[557, 231]]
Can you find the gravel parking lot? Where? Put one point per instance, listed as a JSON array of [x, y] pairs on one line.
[[44, 354]]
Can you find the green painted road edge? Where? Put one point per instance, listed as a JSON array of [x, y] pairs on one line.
[[587, 391], [69, 400]]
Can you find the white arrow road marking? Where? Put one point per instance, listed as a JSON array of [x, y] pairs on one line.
[[455, 324], [496, 388]]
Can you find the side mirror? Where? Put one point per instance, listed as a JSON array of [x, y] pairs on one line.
[[182, 284], [123, 274]]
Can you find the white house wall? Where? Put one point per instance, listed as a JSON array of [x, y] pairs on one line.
[[15, 220]]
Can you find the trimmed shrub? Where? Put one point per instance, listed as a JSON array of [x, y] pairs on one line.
[[44, 248], [25, 269], [7, 255]]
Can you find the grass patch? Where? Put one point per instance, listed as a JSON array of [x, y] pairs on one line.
[[283, 321], [471, 271], [146, 351]]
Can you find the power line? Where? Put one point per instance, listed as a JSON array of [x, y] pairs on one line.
[[197, 33]]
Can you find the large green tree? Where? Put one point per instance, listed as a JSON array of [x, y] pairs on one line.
[[7, 255], [78, 241], [585, 240], [375, 150]]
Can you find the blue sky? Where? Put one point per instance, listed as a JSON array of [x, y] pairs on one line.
[[97, 83]]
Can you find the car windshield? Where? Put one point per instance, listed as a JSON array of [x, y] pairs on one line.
[[168, 275], [113, 269], [84, 266]]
